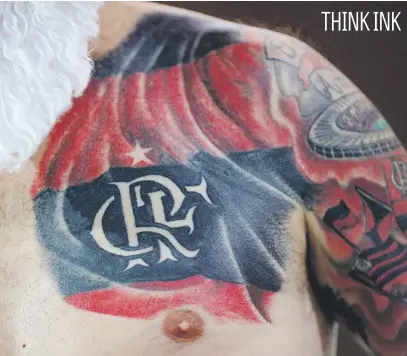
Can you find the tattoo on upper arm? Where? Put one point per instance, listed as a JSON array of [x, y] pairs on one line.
[[363, 204], [195, 149]]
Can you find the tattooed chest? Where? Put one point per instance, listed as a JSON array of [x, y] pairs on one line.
[[168, 235]]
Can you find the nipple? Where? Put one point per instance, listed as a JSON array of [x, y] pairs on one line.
[[183, 326]]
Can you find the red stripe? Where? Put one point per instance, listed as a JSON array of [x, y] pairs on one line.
[[389, 249], [224, 301], [399, 265]]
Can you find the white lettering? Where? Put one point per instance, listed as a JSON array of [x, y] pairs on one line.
[[375, 21], [335, 21], [384, 21], [394, 21], [363, 21], [176, 196], [325, 13], [353, 22]]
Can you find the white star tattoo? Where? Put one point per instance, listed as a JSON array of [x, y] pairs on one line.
[[139, 154]]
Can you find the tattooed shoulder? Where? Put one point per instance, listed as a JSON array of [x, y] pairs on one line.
[[172, 183], [345, 146]]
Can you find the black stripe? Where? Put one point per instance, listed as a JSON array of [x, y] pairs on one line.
[[161, 41], [387, 267], [388, 256], [395, 273], [384, 246]]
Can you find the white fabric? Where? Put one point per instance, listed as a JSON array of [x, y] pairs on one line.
[[44, 63]]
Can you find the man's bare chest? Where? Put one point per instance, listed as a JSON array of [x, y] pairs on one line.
[[35, 320]]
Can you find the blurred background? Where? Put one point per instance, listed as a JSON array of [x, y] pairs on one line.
[[375, 61]]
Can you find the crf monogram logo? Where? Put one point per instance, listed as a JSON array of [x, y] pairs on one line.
[[176, 195]]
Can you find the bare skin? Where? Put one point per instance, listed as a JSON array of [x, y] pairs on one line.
[[79, 273]]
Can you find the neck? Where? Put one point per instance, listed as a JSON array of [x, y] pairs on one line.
[[116, 21]]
